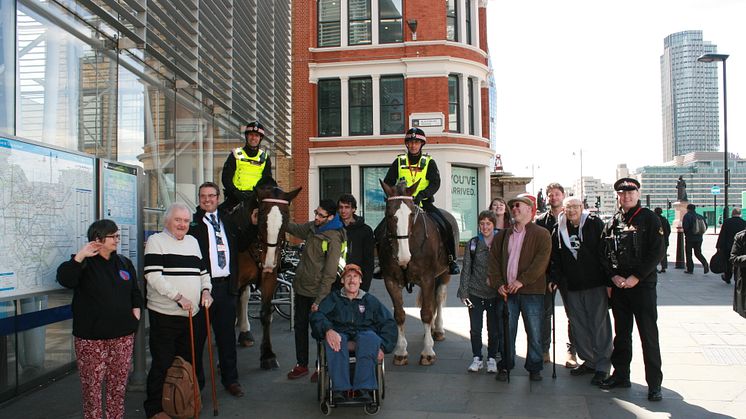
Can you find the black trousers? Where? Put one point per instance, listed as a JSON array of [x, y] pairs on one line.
[[168, 338], [302, 315], [696, 246], [638, 303], [664, 259], [223, 321]]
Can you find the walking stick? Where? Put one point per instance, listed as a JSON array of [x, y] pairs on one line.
[[194, 369], [506, 334], [212, 365], [554, 338]]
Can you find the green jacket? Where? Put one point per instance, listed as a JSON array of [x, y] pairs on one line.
[[317, 270]]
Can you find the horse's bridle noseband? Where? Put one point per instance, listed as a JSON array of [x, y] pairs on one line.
[[416, 212]]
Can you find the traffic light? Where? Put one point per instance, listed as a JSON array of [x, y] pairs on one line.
[[669, 203], [598, 202]]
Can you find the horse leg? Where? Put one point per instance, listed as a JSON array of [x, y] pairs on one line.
[[400, 351], [242, 317], [427, 298], [268, 359], [440, 297]]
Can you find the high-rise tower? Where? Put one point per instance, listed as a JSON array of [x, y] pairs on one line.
[[689, 95]]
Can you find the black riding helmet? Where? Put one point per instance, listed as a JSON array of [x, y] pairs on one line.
[[415, 134], [254, 127]]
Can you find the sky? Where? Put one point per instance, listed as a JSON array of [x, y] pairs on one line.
[[585, 74]]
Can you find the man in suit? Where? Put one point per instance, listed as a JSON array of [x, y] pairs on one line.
[[731, 226], [216, 237]]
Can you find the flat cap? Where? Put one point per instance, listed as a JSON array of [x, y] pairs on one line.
[[521, 198]]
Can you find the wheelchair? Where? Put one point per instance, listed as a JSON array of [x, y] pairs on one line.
[[324, 384]]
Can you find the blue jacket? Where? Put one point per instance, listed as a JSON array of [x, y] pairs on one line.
[[364, 312]]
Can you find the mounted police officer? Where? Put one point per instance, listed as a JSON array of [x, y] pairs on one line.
[[413, 167], [634, 245], [244, 168]]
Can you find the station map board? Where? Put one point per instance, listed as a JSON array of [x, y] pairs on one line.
[[47, 202]]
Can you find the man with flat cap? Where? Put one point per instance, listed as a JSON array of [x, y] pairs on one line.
[[634, 244]]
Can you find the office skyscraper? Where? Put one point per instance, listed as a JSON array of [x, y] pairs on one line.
[[689, 95]]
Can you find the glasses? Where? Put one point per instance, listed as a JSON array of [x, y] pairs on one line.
[[114, 236], [318, 214], [516, 205], [573, 206], [212, 195]]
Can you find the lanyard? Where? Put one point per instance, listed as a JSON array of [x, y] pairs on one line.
[[629, 222]]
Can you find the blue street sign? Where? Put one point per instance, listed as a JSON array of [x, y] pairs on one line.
[[715, 190]]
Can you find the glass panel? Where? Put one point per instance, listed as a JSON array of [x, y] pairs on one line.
[[330, 112], [470, 92], [361, 106], [390, 9], [329, 25], [454, 124], [451, 16], [464, 195], [373, 205], [8, 379], [360, 33], [392, 104], [359, 9], [467, 16], [334, 181], [130, 118], [191, 152], [7, 71], [390, 31]]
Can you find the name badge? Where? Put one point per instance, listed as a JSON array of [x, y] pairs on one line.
[[218, 234]]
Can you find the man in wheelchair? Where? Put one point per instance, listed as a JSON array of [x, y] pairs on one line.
[[348, 315]]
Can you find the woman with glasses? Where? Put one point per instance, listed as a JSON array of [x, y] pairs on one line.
[[106, 312]]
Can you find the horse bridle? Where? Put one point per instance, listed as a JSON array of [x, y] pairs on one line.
[[416, 212]]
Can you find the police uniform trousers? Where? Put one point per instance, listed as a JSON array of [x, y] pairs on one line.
[[638, 303], [222, 320]]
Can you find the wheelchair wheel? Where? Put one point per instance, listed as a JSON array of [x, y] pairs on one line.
[[372, 408], [325, 408], [282, 307], [381, 378]]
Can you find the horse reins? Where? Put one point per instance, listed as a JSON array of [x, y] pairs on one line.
[[417, 212], [275, 201]]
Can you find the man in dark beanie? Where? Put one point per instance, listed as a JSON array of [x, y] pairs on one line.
[[316, 272]]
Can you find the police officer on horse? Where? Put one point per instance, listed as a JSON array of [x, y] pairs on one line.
[[244, 168], [415, 166]]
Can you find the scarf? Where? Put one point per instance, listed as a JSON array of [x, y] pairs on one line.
[[564, 236]]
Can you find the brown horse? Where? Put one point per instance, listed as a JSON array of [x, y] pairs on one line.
[[413, 253], [258, 264]]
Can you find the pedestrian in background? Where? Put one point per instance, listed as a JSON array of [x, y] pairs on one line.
[[693, 237], [666, 233], [478, 296], [731, 226], [106, 312], [360, 241]]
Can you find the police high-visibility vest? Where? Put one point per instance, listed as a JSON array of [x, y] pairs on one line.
[[248, 169], [342, 256], [413, 173]]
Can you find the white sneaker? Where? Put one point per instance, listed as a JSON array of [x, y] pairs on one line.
[[476, 365], [491, 366]]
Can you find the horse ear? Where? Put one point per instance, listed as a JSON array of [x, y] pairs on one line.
[[388, 190], [413, 188], [289, 196]]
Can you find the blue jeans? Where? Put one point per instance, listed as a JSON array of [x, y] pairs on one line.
[[366, 352], [476, 313], [531, 307]]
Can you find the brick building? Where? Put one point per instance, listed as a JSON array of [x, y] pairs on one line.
[[364, 71]]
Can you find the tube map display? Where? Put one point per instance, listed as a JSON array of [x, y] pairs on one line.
[[47, 202]]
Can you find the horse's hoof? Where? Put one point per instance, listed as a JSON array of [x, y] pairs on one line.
[[439, 336], [401, 360], [270, 364], [427, 360]]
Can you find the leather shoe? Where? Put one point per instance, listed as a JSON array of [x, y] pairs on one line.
[[297, 372], [535, 376], [726, 280], [581, 370], [655, 395], [339, 396], [614, 381], [363, 396], [235, 390], [598, 378], [707, 268], [502, 375]]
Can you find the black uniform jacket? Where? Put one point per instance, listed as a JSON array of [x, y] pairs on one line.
[[199, 230]]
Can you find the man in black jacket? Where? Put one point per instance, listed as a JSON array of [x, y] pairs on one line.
[[633, 247], [693, 239], [738, 260], [731, 226], [576, 266], [360, 242], [666, 233], [216, 237]]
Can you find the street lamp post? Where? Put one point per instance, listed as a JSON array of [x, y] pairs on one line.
[[709, 58]]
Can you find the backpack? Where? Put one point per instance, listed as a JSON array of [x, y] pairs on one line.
[[700, 227], [178, 391]]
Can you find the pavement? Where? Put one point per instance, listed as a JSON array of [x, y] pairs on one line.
[[703, 343]]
